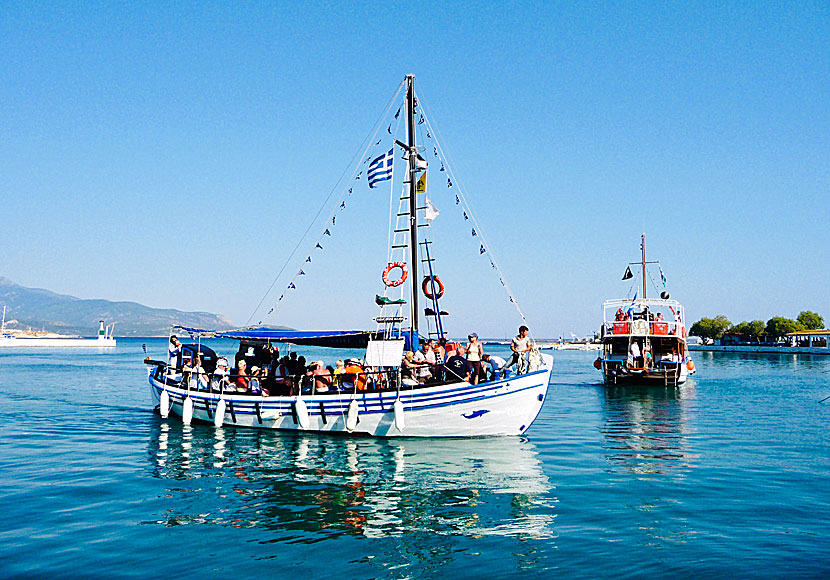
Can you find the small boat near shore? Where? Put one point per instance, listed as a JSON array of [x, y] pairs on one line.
[[644, 339], [376, 394]]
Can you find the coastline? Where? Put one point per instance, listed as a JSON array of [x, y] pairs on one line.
[[761, 349]]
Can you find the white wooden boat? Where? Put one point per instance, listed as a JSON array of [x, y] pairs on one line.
[[380, 401], [644, 339]]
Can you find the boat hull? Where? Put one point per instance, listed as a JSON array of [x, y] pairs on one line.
[[499, 408]]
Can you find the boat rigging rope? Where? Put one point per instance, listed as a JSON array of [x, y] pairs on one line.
[[460, 192], [369, 140]]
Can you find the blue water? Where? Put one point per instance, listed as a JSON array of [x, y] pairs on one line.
[[725, 476]]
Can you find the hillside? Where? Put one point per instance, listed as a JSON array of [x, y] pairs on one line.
[[44, 310]]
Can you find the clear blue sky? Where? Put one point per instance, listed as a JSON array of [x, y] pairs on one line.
[[173, 153]]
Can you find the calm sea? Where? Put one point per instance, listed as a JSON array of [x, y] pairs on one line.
[[726, 476]]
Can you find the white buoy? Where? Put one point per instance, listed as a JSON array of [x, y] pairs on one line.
[[187, 410], [219, 416], [302, 413], [164, 405], [400, 420], [351, 416]]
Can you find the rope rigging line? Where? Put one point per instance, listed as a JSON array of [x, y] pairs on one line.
[[460, 192], [369, 139]]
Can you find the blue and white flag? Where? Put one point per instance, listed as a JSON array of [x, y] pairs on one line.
[[381, 168]]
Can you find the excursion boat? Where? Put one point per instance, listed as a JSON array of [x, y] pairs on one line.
[[372, 395], [644, 339]]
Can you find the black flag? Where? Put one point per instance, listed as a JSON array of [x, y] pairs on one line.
[[628, 275]]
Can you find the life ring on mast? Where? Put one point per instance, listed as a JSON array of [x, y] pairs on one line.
[[391, 266], [427, 287]]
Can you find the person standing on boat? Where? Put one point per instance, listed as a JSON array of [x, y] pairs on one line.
[[634, 354], [174, 352], [425, 360], [474, 354], [520, 345]]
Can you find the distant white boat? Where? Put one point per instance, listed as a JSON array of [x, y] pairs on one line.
[[104, 339]]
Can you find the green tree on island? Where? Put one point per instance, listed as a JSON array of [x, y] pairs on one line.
[[778, 326], [810, 320], [711, 328], [752, 329]]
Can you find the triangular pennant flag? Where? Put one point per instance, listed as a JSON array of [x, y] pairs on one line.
[[435, 150], [318, 246], [327, 232], [281, 297], [367, 159], [481, 250], [307, 260], [474, 232], [457, 201], [300, 273], [442, 167], [429, 135], [421, 120], [270, 311], [350, 190], [358, 175], [291, 286], [333, 218], [628, 275], [449, 183], [465, 216], [343, 205], [398, 113], [378, 143], [389, 129]]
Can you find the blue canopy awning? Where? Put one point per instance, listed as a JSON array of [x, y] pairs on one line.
[[328, 338]]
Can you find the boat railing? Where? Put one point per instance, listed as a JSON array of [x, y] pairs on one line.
[[369, 380], [641, 327]]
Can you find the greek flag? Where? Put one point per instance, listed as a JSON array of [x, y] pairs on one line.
[[381, 168]]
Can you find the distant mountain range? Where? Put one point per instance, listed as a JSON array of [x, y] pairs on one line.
[[40, 309]]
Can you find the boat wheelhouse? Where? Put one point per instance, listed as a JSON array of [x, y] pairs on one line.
[[644, 339], [375, 393]]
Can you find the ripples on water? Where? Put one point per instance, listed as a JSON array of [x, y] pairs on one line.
[[726, 475]]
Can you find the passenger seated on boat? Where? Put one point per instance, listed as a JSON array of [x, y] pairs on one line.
[[440, 350], [320, 376], [353, 375], [424, 360], [409, 368], [281, 380], [195, 374], [496, 365], [337, 379], [457, 367], [242, 376], [220, 375]]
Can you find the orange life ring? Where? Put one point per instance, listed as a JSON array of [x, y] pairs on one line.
[[427, 287], [391, 266]]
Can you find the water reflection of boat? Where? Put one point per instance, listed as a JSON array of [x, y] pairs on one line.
[[317, 487], [647, 430]]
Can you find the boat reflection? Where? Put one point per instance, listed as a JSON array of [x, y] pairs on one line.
[[315, 487], [647, 428]]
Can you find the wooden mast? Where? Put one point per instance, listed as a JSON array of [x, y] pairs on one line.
[[643, 247]]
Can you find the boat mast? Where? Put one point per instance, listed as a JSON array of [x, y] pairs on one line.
[[643, 247], [413, 209]]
